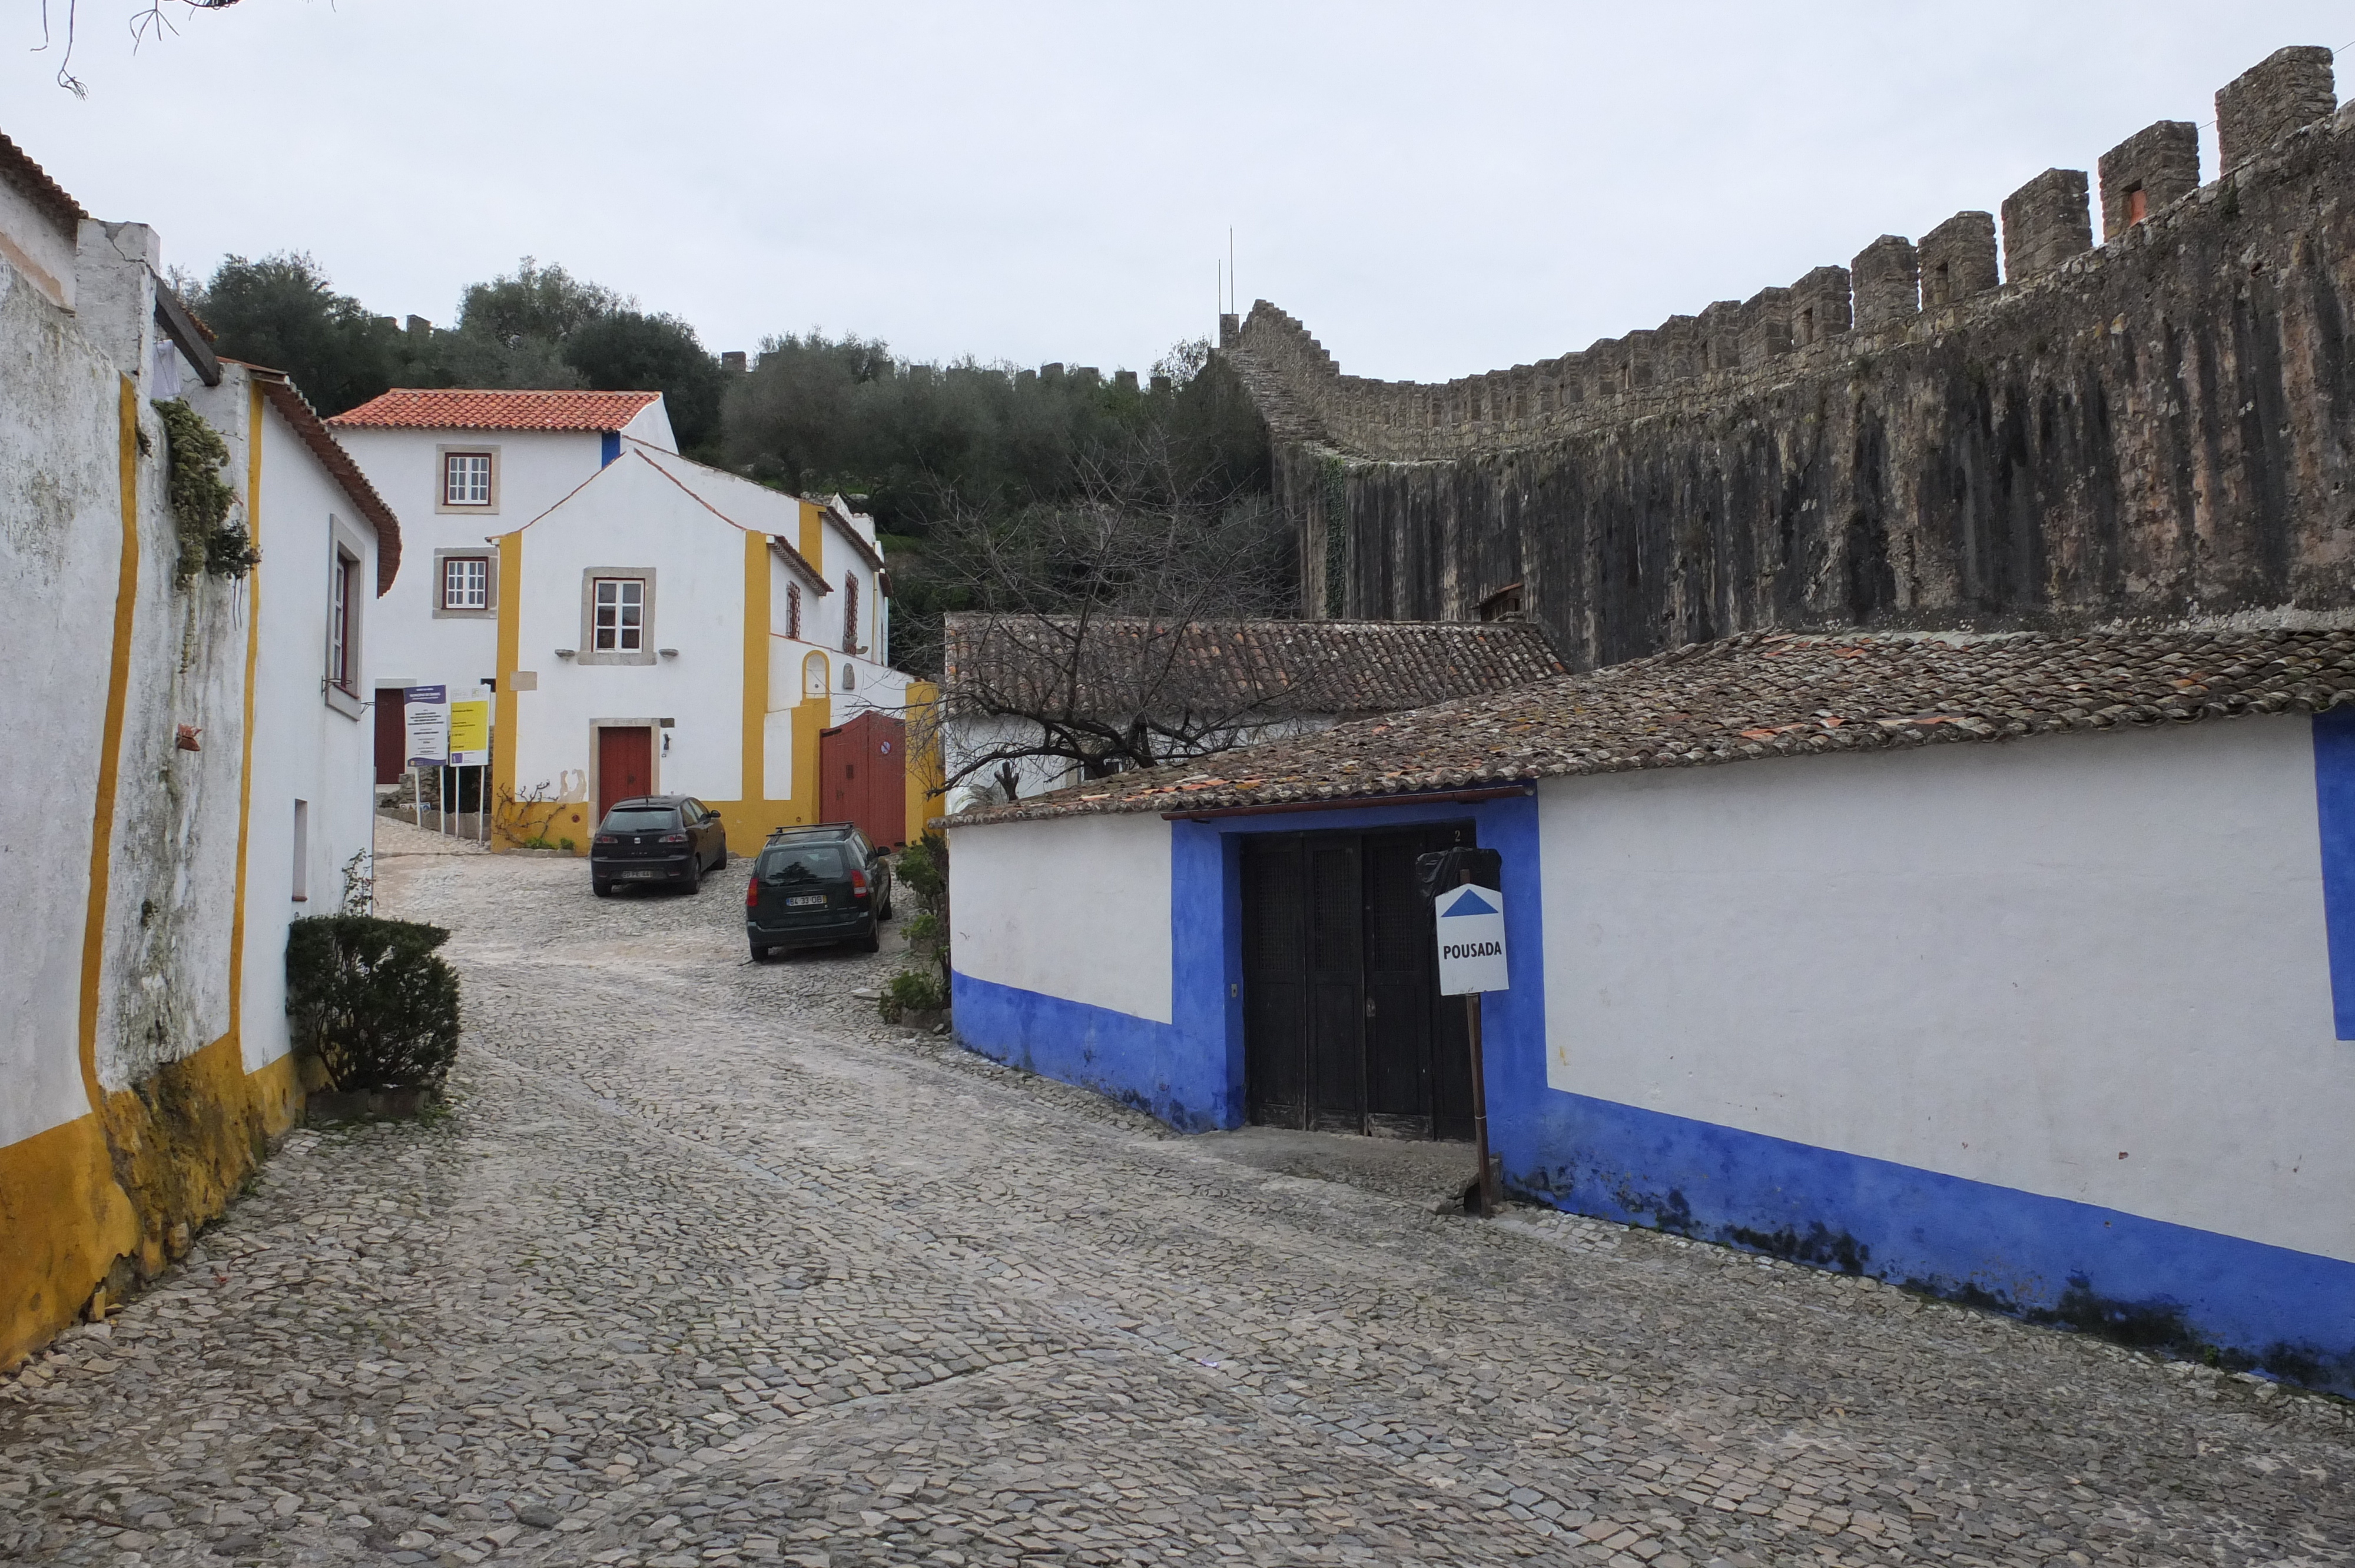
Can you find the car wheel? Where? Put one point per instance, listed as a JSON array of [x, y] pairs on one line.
[[600, 887], [694, 875], [721, 863], [761, 950], [871, 943]]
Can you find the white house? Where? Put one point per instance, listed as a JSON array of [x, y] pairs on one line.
[[465, 467], [670, 628], [2056, 1015], [195, 772], [1026, 697]]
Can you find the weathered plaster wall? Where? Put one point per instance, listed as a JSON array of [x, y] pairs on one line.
[[139, 1081], [2161, 427], [2015, 1023], [1076, 909]]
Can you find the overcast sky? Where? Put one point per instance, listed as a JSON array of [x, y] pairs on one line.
[[1435, 189]]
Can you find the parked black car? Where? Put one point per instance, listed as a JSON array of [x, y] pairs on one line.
[[656, 839], [814, 885]]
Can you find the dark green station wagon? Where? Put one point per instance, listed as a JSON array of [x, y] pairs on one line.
[[815, 886]]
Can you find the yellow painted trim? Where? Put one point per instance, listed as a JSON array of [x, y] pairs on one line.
[[118, 683], [503, 707], [813, 544], [753, 741], [922, 745], [253, 428]]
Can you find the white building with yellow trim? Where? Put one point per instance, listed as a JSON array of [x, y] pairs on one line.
[[656, 626], [192, 766]]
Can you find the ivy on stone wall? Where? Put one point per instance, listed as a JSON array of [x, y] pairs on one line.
[[201, 500]]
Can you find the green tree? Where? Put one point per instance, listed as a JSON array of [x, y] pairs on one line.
[[282, 311], [628, 351], [535, 301]]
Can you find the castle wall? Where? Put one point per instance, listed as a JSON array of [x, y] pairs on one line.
[[2160, 427]]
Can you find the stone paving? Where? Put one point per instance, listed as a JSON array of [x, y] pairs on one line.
[[705, 1264]]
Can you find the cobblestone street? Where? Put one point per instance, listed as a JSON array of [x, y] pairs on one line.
[[704, 1264]]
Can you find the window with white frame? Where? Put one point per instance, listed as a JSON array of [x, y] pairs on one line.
[[619, 616], [466, 478], [465, 582]]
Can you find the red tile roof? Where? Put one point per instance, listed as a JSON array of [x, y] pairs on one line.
[[464, 408], [296, 410], [1761, 694], [39, 189]]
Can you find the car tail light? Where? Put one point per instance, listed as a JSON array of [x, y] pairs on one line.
[[857, 883], [753, 894], [672, 839], [608, 838]]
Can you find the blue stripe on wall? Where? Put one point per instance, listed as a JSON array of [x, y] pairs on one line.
[[610, 449], [1133, 1060], [2334, 808]]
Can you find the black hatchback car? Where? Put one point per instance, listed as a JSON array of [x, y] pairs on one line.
[[672, 839], [816, 886]]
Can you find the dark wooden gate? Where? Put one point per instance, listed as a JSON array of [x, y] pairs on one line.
[[1344, 1029]]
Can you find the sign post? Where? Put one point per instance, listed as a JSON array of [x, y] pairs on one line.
[[425, 719], [470, 747], [1468, 919]]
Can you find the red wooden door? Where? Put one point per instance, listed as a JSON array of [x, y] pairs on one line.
[[624, 766], [391, 736]]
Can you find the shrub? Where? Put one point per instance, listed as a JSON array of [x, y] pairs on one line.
[[912, 991], [369, 999]]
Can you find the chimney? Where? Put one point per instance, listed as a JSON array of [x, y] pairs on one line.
[[732, 361]]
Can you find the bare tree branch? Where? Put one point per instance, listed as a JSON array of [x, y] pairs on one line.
[[150, 18]]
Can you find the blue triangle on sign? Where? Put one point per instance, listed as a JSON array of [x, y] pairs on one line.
[[1470, 903]]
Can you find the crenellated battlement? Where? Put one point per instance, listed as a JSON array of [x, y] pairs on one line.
[[1893, 293], [1998, 424]]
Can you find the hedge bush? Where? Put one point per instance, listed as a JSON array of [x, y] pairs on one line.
[[369, 999]]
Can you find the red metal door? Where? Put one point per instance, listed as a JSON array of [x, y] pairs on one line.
[[624, 766], [862, 776]]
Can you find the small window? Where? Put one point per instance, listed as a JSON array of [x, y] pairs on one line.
[[302, 852], [794, 610], [620, 626], [1941, 283], [465, 582], [340, 672], [2137, 206], [850, 612], [466, 478]]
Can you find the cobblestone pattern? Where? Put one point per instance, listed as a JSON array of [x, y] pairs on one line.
[[705, 1265]]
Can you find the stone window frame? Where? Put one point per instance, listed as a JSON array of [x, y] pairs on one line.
[[346, 551], [585, 651], [487, 554], [443, 504]]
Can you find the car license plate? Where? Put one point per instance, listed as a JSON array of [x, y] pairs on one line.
[[798, 900], [642, 875]]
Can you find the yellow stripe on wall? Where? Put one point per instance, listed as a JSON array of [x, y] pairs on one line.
[[118, 681], [755, 721], [505, 706]]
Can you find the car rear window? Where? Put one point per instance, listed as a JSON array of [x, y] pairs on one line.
[[645, 819], [801, 862]]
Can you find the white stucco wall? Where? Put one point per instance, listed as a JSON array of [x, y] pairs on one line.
[[409, 644], [1077, 908], [60, 526], [2092, 968], [302, 748], [631, 516]]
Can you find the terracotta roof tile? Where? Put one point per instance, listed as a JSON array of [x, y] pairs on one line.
[[1019, 663], [43, 192], [462, 408], [1760, 695], [296, 410]]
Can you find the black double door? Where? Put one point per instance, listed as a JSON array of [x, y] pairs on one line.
[[1344, 1028]]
